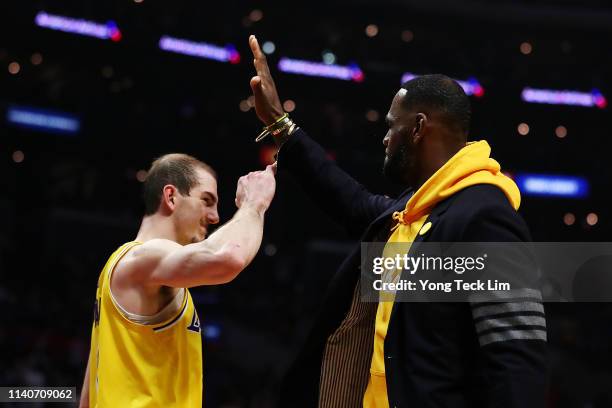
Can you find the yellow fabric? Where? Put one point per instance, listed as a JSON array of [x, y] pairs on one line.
[[469, 166], [376, 392], [135, 365]]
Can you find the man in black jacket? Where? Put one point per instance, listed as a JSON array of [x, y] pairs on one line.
[[402, 354]]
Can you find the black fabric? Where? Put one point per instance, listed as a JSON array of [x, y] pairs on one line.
[[432, 354]]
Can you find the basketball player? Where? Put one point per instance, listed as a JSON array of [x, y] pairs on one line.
[[146, 344]]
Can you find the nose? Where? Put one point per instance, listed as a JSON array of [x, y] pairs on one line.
[[213, 216], [386, 140]]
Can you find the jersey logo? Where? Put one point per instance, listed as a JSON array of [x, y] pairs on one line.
[[96, 316], [195, 323]]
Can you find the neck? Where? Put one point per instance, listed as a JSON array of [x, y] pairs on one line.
[[437, 155], [156, 226]]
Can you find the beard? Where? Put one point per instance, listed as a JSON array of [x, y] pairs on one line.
[[397, 166]]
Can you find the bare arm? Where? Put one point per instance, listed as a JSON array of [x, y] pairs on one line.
[[216, 260], [84, 401]]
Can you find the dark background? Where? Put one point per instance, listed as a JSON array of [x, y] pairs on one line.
[[74, 199]]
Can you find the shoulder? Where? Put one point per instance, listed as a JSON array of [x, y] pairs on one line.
[[142, 259], [151, 251], [155, 247], [483, 212], [482, 196], [480, 199]]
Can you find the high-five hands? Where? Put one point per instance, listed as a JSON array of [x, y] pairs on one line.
[[267, 103]]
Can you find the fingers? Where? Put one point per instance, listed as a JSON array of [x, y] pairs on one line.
[[239, 192], [257, 53], [271, 168], [256, 189], [261, 65], [259, 57], [256, 85]]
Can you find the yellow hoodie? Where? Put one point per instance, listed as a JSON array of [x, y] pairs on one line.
[[469, 166]]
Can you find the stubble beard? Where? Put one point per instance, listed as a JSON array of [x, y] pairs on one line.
[[397, 165]]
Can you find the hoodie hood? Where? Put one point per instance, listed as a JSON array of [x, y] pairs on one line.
[[469, 166]]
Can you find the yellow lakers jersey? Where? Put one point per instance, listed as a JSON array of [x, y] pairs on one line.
[[137, 365]]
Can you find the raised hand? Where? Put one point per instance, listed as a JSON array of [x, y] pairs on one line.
[[267, 103], [256, 189]]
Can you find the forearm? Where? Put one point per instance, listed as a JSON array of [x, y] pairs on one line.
[[335, 191], [243, 233], [343, 198]]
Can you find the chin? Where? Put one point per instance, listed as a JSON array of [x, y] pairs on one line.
[[390, 173], [396, 171], [197, 238]]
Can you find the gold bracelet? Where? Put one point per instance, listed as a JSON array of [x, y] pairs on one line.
[[285, 115], [279, 126]]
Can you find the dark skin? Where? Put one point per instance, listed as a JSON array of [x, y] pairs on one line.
[[417, 143]]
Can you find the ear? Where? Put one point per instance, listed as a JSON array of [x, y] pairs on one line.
[[169, 195], [418, 131]]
